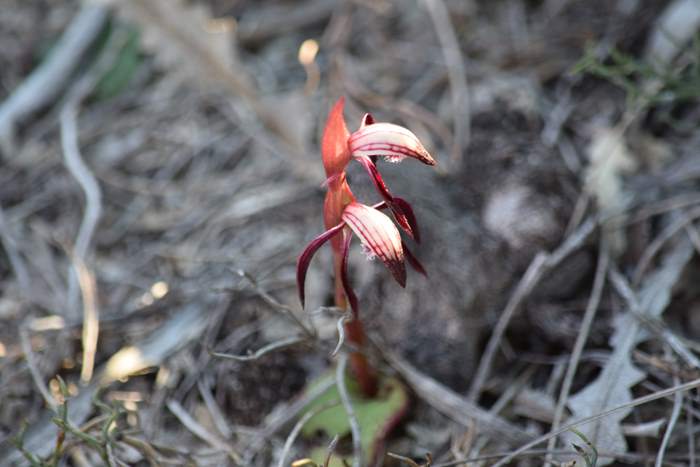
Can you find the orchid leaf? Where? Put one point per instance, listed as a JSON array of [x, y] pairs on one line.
[[376, 417]]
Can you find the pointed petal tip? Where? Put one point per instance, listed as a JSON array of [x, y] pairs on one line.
[[401, 281], [367, 119], [308, 253], [379, 235], [334, 148], [413, 261]]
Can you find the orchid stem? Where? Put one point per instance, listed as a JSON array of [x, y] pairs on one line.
[[363, 371]]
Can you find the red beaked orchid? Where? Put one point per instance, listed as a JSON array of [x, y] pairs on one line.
[[344, 216]]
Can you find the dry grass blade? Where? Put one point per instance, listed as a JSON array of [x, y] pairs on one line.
[[220, 421], [281, 344], [182, 39], [678, 345], [676, 26], [275, 20], [349, 410], [93, 195], [182, 36], [542, 263], [91, 322], [587, 321], [283, 416], [16, 261], [45, 83], [178, 331], [634, 403], [658, 243], [270, 300], [30, 357], [298, 426], [613, 386], [452, 404], [675, 413], [457, 74], [199, 431], [690, 429]]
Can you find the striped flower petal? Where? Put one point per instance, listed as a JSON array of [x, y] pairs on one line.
[[308, 253], [393, 142], [379, 235]]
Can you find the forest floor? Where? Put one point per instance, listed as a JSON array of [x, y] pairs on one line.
[[161, 173]]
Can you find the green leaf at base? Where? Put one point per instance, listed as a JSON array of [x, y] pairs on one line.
[[376, 416]]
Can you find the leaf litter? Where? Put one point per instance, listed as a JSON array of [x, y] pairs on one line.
[[205, 159]]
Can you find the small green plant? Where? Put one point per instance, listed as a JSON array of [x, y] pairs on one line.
[[673, 83], [98, 436], [590, 453]]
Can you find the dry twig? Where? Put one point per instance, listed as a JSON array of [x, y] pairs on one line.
[[199, 431], [588, 316], [349, 410], [457, 74], [675, 413], [542, 263], [298, 426], [34, 370], [48, 79], [281, 344], [634, 403], [452, 405]]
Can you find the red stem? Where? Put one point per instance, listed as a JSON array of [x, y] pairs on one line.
[[365, 374]]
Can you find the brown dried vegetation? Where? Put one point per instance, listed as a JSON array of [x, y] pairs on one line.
[[143, 230]]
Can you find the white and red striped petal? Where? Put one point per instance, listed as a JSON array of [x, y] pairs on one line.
[[393, 142], [379, 235]]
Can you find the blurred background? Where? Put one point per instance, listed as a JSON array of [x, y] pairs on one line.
[[160, 173]]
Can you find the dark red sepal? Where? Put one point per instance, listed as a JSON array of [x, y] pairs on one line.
[[412, 260], [403, 213], [347, 287], [367, 119], [308, 253]]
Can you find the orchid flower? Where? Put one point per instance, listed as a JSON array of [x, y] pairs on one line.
[[344, 216]]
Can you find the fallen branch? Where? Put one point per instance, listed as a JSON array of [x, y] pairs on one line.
[[542, 263], [46, 82], [452, 405]]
